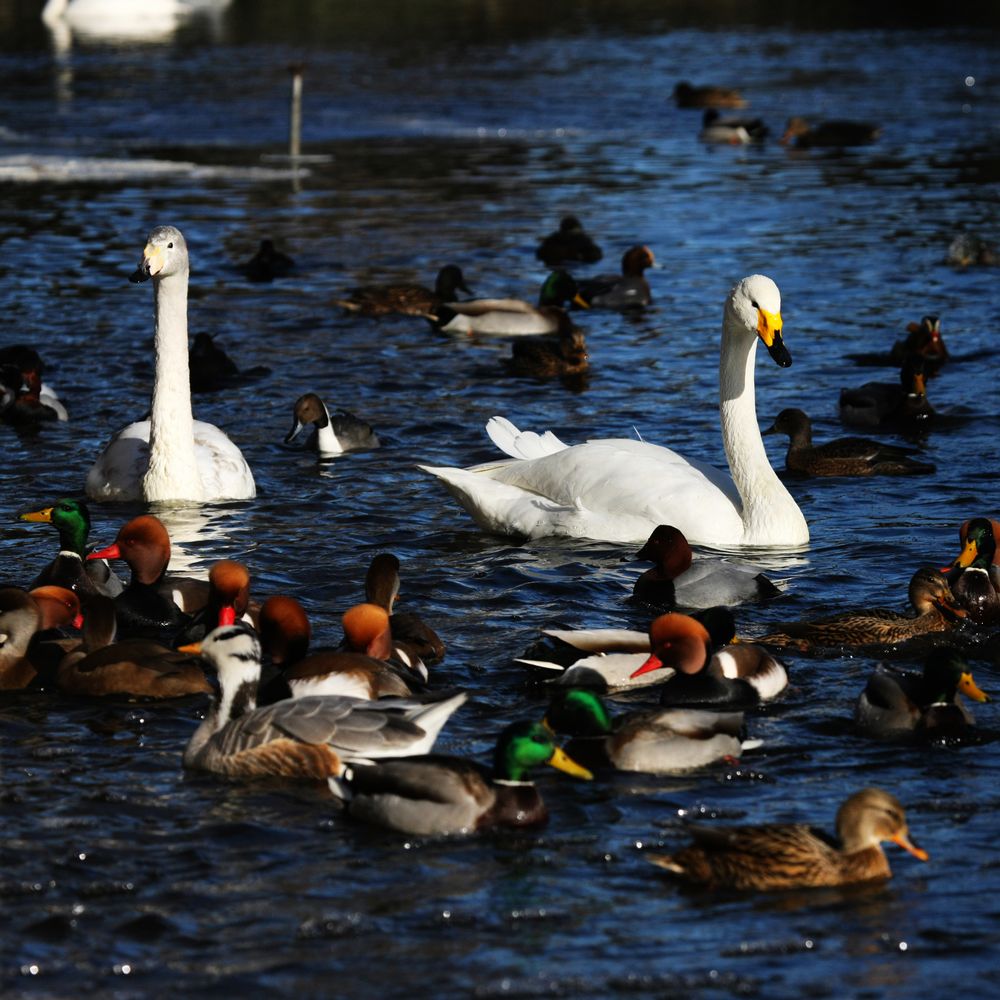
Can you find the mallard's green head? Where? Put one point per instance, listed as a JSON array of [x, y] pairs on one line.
[[577, 712], [524, 745], [980, 544], [559, 287], [947, 671], [71, 519]]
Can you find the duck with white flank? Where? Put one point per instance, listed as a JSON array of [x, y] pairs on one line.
[[333, 434]]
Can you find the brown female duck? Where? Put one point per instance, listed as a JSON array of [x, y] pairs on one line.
[[796, 856], [852, 456], [829, 133], [549, 356], [407, 299], [569, 242]]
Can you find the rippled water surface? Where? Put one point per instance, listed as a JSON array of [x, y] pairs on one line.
[[463, 135]]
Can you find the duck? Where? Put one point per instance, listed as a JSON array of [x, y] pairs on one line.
[[829, 133], [970, 250], [11, 384], [34, 402], [974, 576], [407, 299], [170, 457], [101, 667], [678, 579], [686, 95], [895, 701], [628, 290], [619, 490], [20, 619], [213, 370], [731, 131], [923, 340], [547, 356], [409, 631], [71, 568], [267, 263], [793, 855], [56, 630], [736, 676], [436, 795], [300, 738], [851, 456], [929, 594], [333, 434], [512, 317], [570, 242], [658, 741], [901, 406], [226, 599]]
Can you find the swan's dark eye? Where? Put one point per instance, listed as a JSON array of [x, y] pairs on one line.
[[753, 302], [170, 246]]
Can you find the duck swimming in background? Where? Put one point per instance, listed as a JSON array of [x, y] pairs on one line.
[[660, 741], [619, 489], [929, 593], [512, 317], [970, 250], [570, 242], [830, 133], [900, 406], [687, 95], [406, 299], [731, 131], [547, 356], [212, 370], [974, 576], [796, 856], [896, 702], [436, 795], [852, 456], [34, 402], [677, 579], [171, 456], [923, 341], [267, 264], [333, 434], [628, 290]]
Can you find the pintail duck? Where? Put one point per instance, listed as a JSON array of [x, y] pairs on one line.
[[731, 131], [899, 406], [267, 263], [408, 299], [409, 632], [796, 856], [627, 290], [300, 738], [929, 594], [852, 456], [895, 702], [547, 356], [974, 576], [437, 795], [687, 95], [34, 402], [334, 433], [677, 579], [829, 133], [512, 317], [661, 741], [71, 568], [569, 242]]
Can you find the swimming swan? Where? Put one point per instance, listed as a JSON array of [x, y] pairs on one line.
[[171, 456], [619, 490]]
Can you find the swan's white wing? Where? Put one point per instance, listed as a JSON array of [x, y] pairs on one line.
[[117, 473], [224, 472], [521, 444]]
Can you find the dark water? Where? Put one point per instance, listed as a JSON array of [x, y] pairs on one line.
[[462, 133]]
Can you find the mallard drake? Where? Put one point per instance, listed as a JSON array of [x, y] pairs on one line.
[[547, 356], [627, 290], [568, 243], [301, 738], [974, 576], [678, 579], [738, 675], [970, 250], [437, 795], [852, 456], [334, 434], [895, 701], [796, 856], [829, 133], [71, 568], [267, 263], [687, 95], [512, 317], [407, 299], [731, 131], [661, 741], [409, 631], [899, 406], [929, 593]]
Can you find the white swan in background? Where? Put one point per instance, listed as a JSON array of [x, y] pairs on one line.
[[136, 20], [619, 490], [171, 456]]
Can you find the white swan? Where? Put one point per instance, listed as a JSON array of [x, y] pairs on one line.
[[171, 456], [136, 20], [619, 490]]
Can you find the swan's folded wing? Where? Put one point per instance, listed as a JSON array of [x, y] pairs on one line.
[[521, 444]]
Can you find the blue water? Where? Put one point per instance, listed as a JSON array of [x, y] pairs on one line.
[[463, 136]]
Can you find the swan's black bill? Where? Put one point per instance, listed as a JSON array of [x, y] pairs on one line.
[[779, 352], [141, 273]]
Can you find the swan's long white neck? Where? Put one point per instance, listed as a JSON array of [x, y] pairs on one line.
[[173, 469], [770, 515]]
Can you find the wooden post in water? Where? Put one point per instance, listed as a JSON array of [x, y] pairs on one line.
[[295, 118]]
